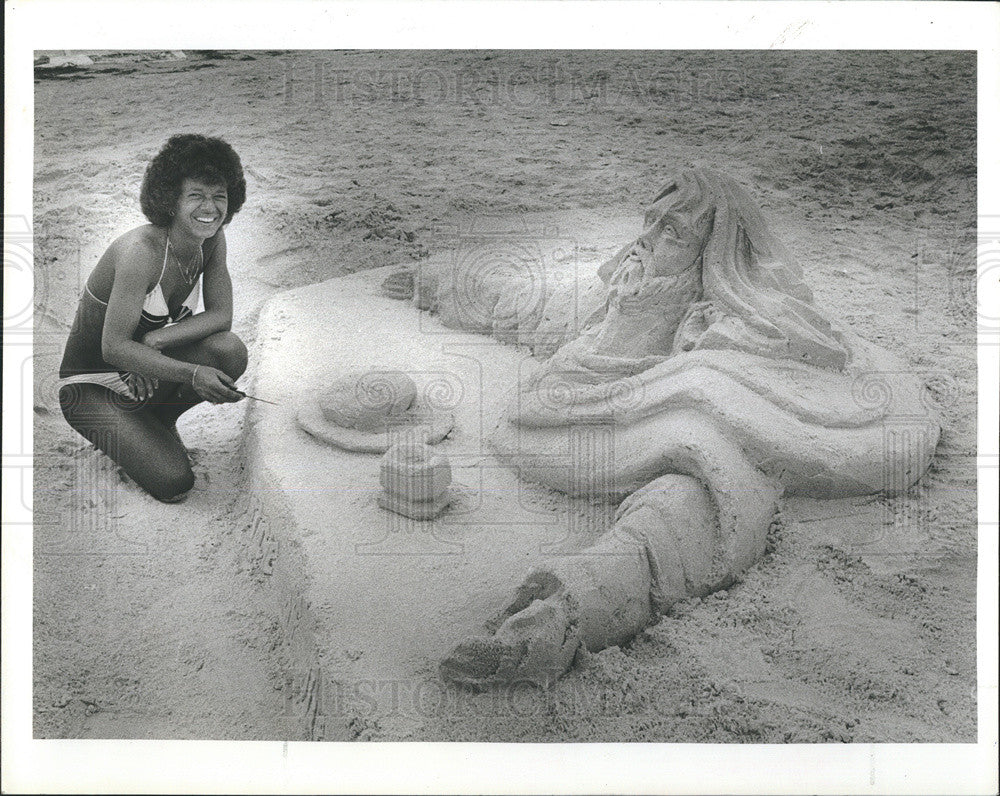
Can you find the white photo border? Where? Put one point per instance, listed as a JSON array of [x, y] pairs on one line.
[[275, 767]]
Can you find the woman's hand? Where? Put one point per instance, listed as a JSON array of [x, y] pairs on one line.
[[214, 385], [141, 386], [153, 339]]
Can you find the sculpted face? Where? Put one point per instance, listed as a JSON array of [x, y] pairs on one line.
[[655, 280]]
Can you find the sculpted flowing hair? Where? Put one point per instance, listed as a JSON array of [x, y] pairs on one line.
[[753, 296], [756, 379]]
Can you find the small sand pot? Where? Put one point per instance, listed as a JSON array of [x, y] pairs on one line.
[[415, 480], [399, 285], [367, 411]]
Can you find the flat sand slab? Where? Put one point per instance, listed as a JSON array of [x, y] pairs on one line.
[[392, 595]]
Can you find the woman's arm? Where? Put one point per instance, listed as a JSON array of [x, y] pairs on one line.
[[132, 275], [217, 293]]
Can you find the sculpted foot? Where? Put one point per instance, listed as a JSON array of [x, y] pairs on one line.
[[592, 600], [535, 642]]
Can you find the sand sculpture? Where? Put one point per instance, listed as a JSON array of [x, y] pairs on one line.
[[705, 384], [415, 480], [399, 284], [363, 411], [522, 305]]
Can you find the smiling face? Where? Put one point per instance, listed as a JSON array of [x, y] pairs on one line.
[[201, 209]]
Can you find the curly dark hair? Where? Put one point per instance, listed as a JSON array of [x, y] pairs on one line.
[[190, 156]]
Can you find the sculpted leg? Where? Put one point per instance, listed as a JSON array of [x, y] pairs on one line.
[[665, 546]]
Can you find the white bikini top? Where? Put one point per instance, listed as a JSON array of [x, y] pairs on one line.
[[154, 309]]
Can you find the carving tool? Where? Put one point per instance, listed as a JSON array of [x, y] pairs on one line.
[[254, 398]]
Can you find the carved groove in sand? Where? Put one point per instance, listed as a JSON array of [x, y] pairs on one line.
[[699, 343]]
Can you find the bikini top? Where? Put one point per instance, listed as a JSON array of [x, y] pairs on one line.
[[155, 312]]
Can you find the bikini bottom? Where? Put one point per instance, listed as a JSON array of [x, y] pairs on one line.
[[113, 380]]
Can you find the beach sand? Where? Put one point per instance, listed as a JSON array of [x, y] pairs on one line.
[[154, 621]]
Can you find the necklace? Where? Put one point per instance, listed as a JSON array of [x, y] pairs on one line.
[[193, 268]]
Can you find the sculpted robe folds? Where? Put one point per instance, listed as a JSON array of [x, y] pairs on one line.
[[697, 378]]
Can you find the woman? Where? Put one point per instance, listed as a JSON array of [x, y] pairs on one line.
[[138, 356]]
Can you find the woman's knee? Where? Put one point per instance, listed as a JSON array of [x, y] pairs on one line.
[[229, 352]]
